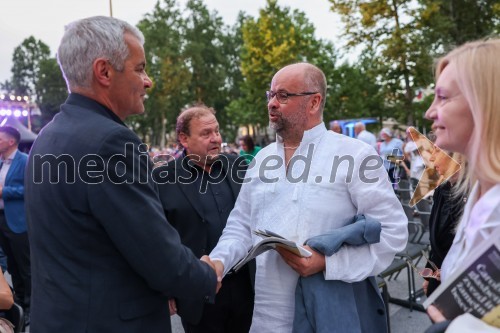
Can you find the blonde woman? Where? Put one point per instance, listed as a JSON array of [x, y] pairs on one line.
[[466, 119]]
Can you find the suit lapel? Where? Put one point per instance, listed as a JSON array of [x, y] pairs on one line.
[[12, 169], [190, 190], [228, 172]]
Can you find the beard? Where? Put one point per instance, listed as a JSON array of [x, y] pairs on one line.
[[294, 122], [278, 124]]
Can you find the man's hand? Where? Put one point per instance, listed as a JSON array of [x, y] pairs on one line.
[[172, 306], [304, 266], [435, 315], [218, 268]]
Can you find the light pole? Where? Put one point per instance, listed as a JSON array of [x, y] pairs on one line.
[[110, 8]]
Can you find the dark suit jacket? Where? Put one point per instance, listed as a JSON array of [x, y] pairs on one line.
[[445, 215], [104, 258], [180, 200], [13, 194]]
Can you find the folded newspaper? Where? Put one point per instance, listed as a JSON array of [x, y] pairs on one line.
[[270, 241], [475, 287]]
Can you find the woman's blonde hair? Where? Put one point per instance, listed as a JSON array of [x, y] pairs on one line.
[[477, 66]]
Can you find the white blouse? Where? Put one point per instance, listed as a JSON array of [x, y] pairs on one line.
[[480, 219]]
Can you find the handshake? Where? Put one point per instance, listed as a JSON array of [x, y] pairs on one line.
[[218, 268]]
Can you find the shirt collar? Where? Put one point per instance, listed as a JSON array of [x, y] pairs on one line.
[[92, 104], [482, 209], [10, 158]]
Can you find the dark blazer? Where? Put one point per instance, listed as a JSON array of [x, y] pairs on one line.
[[180, 199], [13, 194], [445, 214], [104, 258]]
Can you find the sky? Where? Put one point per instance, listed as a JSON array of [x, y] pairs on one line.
[[45, 19]]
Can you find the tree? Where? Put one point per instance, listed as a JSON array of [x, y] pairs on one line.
[[388, 29], [26, 60], [163, 30], [210, 51], [189, 60], [278, 37], [448, 23], [354, 94], [51, 87]]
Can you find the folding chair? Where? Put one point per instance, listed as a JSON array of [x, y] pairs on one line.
[[16, 316], [385, 296]]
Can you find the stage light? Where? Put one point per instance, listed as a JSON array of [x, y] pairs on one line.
[[8, 113], [12, 97], [26, 98], [25, 113], [2, 96], [17, 113], [19, 98], [3, 112]]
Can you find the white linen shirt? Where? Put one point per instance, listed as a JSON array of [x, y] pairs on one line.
[[301, 207]]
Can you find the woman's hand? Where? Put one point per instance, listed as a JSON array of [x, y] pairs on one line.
[[435, 315]]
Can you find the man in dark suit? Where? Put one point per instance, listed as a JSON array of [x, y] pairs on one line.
[[104, 257], [198, 191], [13, 233]]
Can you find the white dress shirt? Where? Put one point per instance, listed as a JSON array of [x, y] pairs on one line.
[[299, 208], [3, 173]]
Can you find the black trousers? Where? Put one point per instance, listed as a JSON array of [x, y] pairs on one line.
[[17, 249], [233, 308]]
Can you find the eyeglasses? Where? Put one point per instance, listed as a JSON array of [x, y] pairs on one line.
[[282, 96], [426, 272]]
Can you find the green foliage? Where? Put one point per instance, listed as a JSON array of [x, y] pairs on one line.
[[354, 94], [51, 87], [192, 58], [278, 37], [448, 23], [163, 30], [37, 75], [26, 66], [406, 35], [387, 29]]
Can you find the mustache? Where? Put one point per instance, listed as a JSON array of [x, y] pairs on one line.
[[275, 113]]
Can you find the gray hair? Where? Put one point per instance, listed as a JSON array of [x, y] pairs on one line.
[[360, 125], [88, 39]]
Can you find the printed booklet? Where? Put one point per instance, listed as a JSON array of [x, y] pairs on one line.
[[270, 241], [474, 287]]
